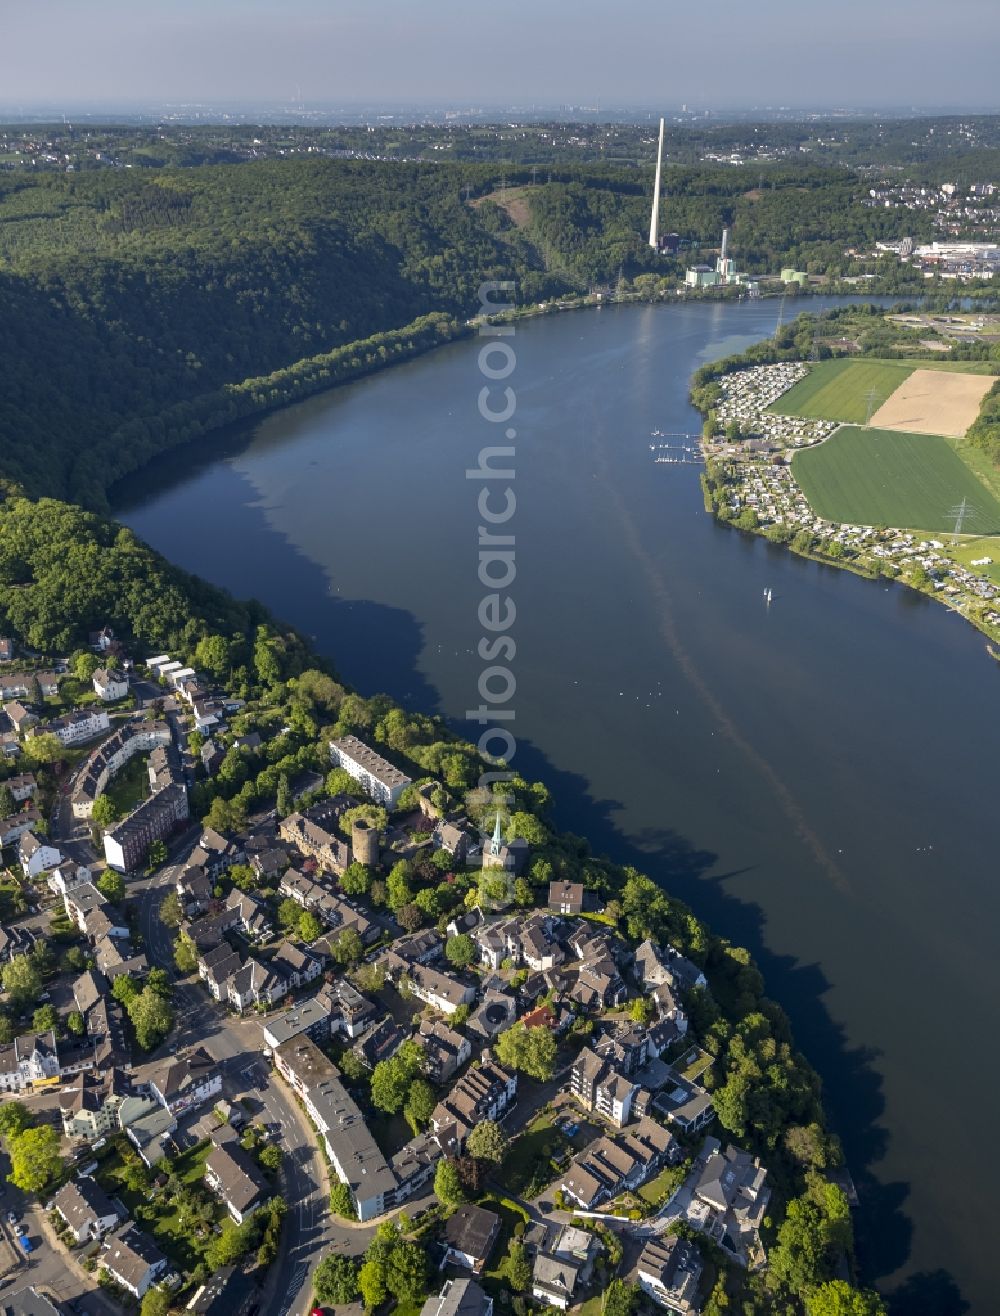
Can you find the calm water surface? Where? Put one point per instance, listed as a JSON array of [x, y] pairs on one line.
[[818, 779]]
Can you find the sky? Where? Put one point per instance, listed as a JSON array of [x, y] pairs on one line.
[[730, 53]]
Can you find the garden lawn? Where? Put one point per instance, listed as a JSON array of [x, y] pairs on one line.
[[183, 1250], [662, 1185], [130, 787], [884, 477], [529, 1152], [510, 1217]]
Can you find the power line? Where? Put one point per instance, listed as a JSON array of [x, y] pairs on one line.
[[781, 316], [961, 513]]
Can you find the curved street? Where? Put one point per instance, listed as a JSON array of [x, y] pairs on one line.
[[310, 1228]]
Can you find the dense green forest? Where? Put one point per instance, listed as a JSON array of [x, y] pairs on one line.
[[143, 308], [65, 572]]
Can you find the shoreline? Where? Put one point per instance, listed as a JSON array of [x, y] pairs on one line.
[[233, 405], [712, 491]]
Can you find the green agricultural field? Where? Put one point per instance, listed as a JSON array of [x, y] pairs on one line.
[[838, 390], [885, 477]]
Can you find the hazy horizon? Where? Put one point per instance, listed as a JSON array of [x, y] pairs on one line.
[[108, 54]]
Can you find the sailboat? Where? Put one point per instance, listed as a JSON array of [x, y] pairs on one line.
[[767, 595]]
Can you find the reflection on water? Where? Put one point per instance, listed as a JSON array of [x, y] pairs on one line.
[[818, 779]]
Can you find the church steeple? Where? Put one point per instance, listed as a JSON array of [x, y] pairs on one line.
[[496, 844]]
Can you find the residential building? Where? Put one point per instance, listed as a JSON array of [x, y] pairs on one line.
[[216, 968], [609, 1166], [207, 932], [20, 718], [126, 845], [31, 1061], [213, 1298], [295, 965], [90, 1108], [729, 1197], [380, 1042], [269, 863], [186, 1082], [216, 853], [81, 725], [684, 1103], [15, 941], [194, 887], [108, 759], [28, 685], [36, 856], [352, 1013], [469, 1235], [84, 903], [566, 897], [68, 876], [148, 1128], [354, 1154], [527, 940], [86, 1209], [458, 1297], [115, 958], [14, 826], [253, 916], [310, 1018], [656, 965], [132, 1260], [103, 641], [380, 779], [484, 1092], [669, 1270], [254, 984], [554, 1280], [420, 947], [601, 1087], [233, 1176], [110, 684], [445, 1051], [22, 787], [560, 1273], [441, 990]]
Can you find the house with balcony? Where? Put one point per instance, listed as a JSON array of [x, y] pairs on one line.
[[187, 1082], [86, 1209], [670, 1270], [235, 1179], [484, 1092], [132, 1260]]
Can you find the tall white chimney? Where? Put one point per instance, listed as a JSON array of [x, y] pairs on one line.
[[654, 219]]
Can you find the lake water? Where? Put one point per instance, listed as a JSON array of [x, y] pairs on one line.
[[818, 779]]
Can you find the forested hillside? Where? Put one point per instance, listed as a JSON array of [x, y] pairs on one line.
[[139, 309], [65, 572]]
